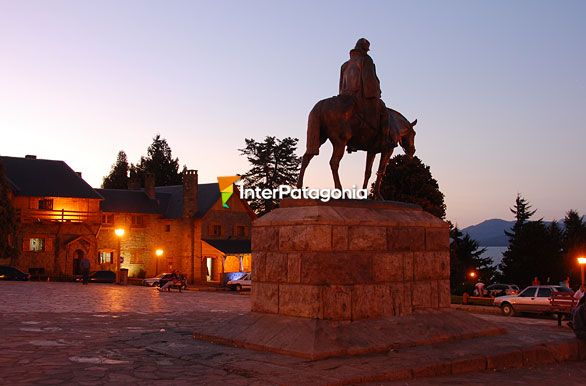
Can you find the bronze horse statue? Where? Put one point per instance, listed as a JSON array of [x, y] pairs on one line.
[[335, 119]]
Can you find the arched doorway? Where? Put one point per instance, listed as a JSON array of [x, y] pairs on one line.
[[78, 255]]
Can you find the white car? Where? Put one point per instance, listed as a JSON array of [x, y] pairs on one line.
[[534, 299], [240, 284], [154, 281]]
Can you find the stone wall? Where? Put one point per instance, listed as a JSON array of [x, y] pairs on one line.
[[61, 242], [349, 260]]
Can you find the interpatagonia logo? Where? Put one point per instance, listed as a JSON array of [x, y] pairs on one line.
[[227, 188]]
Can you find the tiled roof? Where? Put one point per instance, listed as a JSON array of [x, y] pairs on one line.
[[230, 246], [207, 195], [168, 202], [127, 201], [45, 178]]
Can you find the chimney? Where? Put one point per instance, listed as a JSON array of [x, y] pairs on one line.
[[79, 174], [189, 193], [149, 185], [30, 156]]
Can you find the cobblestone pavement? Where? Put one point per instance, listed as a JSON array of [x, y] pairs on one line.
[[567, 374], [66, 333]]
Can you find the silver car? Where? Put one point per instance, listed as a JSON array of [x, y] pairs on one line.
[[154, 281], [239, 284], [534, 299]]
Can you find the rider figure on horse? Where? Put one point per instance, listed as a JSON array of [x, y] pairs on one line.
[[358, 79]]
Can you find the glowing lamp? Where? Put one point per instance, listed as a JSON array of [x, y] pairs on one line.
[[119, 232], [159, 252], [581, 260]]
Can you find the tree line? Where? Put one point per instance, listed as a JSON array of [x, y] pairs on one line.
[[158, 161], [548, 251], [273, 162]]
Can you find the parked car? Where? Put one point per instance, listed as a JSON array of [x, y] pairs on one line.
[[11, 273], [534, 299], [154, 281], [241, 283], [502, 289], [99, 277]]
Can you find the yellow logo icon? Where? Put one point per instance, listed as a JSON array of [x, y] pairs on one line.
[[227, 188]]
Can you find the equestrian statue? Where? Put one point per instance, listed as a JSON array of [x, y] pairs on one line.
[[357, 119]]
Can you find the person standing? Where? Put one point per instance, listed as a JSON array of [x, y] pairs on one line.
[[479, 289], [84, 265], [535, 281]]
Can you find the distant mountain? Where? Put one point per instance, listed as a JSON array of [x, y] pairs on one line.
[[490, 233]]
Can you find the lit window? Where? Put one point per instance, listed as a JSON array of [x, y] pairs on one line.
[[137, 221], [46, 204], [37, 245], [108, 219], [215, 230], [105, 257]]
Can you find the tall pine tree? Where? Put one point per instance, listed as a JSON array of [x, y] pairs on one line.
[[118, 177], [273, 163], [160, 162], [574, 241], [8, 221], [534, 248]]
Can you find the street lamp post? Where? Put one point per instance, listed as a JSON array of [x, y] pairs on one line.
[[159, 252], [119, 232], [582, 262]]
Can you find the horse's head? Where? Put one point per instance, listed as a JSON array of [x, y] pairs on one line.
[[407, 141]]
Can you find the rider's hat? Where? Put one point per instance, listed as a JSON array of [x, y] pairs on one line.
[[362, 44]]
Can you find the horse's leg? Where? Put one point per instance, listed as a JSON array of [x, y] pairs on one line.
[[337, 155], [304, 162], [368, 170], [385, 157]]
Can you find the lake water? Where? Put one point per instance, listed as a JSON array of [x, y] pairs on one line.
[[496, 253]]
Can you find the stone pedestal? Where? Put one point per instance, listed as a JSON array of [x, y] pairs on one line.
[[347, 278], [349, 260]]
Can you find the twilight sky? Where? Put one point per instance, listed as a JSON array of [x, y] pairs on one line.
[[498, 87]]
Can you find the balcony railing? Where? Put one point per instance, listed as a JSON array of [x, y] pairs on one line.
[[40, 215]]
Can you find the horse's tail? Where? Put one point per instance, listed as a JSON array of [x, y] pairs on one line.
[[313, 130]]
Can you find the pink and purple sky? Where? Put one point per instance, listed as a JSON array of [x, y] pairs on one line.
[[498, 87]]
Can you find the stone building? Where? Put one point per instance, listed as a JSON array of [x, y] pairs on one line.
[[62, 219], [187, 223], [58, 213]]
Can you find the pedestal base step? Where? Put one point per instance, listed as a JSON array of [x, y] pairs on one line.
[[318, 339]]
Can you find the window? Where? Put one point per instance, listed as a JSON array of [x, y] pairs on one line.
[[46, 204], [544, 292], [105, 257], [240, 231], [108, 219], [137, 221], [37, 245], [215, 230], [528, 293], [168, 228]]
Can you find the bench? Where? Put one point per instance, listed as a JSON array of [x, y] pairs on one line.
[[562, 303]]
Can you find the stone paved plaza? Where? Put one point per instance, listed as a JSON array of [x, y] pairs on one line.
[[66, 333]]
